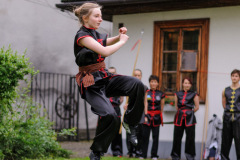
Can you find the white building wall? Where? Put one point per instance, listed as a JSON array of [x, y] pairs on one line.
[[47, 34], [45, 31], [223, 53]]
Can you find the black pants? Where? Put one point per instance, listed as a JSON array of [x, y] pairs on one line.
[[116, 145], [135, 149], [231, 130], [155, 137], [189, 144], [96, 95]]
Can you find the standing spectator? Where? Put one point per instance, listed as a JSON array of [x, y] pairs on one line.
[[155, 102], [187, 103], [131, 148], [231, 117]]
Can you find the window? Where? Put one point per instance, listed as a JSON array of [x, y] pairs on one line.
[[181, 50]]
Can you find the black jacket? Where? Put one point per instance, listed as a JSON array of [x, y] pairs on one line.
[[154, 107], [85, 56], [185, 105], [232, 99]]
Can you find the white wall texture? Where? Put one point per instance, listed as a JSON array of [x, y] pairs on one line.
[[223, 53], [48, 36]]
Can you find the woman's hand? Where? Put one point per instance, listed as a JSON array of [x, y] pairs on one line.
[[125, 106], [113, 40], [123, 38], [146, 119], [123, 30]]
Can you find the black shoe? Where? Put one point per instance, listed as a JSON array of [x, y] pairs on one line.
[[133, 133], [94, 156], [133, 136], [130, 155]]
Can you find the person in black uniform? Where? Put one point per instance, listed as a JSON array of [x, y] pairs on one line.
[[231, 117], [185, 100], [116, 145], [96, 84], [155, 101], [137, 150]]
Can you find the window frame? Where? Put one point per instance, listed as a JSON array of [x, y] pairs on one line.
[[202, 64]]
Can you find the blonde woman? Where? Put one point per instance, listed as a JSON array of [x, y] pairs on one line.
[[96, 84]]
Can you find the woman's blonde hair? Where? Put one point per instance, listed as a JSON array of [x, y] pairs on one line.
[[85, 10]]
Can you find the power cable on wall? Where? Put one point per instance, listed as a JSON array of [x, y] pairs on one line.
[[36, 3], [46, 4]]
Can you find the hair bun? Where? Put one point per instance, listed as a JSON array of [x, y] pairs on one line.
[[85, 10], [77, 11]]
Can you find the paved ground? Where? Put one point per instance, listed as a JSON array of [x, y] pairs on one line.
[[80, 149]]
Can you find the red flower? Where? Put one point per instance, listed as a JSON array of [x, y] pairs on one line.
[[171, 103], [166, 96]]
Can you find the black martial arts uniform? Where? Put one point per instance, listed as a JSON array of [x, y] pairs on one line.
[[137, 150], [106, 85], [154, 120], [116, 145], [184, 120], [231, 123]]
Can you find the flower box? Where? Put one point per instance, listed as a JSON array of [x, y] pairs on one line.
[[169, 108]]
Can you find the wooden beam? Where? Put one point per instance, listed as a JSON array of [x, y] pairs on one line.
[[165, 6], [118, 7]]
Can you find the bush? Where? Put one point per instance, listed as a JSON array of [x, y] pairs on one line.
[[13, 68], [23, 133]]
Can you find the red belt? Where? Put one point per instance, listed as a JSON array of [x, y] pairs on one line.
[[156, 112], [86, 76]]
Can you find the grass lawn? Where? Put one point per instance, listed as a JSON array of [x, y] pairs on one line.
[[103, 158]]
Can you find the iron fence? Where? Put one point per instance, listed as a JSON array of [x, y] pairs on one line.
[[59, 97]]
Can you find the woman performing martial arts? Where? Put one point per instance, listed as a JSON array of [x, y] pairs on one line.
[[185, 100], [96, 84]]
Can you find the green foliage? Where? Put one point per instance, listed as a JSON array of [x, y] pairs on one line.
[[170, 100], [23, 132], [68, 132], [103, 158], [13, 67]]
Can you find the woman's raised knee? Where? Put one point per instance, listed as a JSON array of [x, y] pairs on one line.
[[113, 116]]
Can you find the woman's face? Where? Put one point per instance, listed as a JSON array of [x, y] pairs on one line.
[[95, 18], [153, 84], [186, 85]]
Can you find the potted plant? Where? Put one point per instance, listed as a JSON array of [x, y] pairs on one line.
[[169, 104]]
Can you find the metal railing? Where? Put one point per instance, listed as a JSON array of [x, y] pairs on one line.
[[59, 97]]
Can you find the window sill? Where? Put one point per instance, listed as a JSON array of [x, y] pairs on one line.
[[169, 108]]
